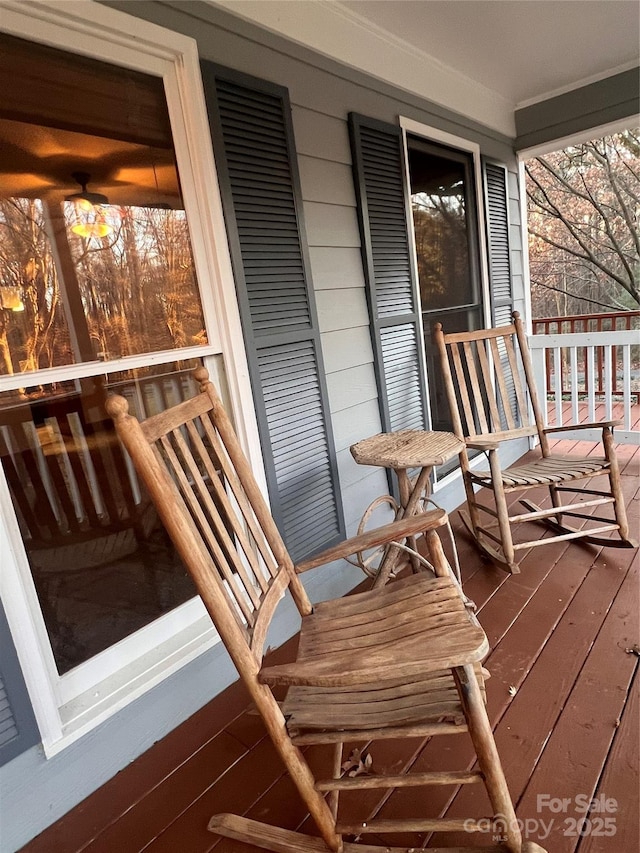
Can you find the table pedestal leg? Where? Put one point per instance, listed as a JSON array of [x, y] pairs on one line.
[[409, 500]]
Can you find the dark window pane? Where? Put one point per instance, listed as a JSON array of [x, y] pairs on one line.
[[439, 200], [102, 564], [445, 227]]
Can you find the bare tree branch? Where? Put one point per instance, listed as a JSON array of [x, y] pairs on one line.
[[575, 295], [583, 207]]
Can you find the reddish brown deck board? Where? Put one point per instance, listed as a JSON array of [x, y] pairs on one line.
[[138, 825], [524, 730], [532, 620], [576, 751], [621, 775], [509, 604], [92, 816], [236, 792], [544, 686]]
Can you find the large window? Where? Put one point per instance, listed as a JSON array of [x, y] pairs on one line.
[[95, 265], [443, 204], [113, 276]]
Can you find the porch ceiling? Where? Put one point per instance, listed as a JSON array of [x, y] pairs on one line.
[[483, 58]]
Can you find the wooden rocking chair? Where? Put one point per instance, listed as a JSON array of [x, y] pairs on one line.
[[390, 663], [490, 404]]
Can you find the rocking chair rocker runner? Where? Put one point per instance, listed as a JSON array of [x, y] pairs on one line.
[[490, 404], [396, 662]]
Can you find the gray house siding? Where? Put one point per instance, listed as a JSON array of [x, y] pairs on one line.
[[35, 791], [611, 100], [334, 246]]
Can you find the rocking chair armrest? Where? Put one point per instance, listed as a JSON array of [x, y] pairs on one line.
[[482, 444], [595, 425], [410, 526]]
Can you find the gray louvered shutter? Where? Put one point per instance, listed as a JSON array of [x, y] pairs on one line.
[[497, 213], [251, 125], [18, 729], [387, 251], [497, 207]]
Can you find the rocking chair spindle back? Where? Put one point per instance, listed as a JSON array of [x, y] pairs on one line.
[[492, 398]]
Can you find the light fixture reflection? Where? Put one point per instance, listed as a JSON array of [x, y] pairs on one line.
[[11, 298], [90, 218]]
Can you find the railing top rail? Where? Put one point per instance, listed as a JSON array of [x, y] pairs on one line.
[[622, 337], [568, 318]]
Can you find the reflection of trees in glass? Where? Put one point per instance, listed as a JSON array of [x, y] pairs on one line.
[[137, 286], [37, 336], [440, 229]]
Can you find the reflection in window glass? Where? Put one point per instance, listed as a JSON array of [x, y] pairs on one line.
[[438, 200], [95, 255], [128, 292], [445, 229], [138, 287], [95, 265], [102, 565]]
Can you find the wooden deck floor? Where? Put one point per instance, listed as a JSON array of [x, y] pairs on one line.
[[563, 700]]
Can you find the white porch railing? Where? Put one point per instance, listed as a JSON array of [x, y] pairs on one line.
[[574, 357]]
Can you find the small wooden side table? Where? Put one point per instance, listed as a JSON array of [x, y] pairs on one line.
[[402, 451]]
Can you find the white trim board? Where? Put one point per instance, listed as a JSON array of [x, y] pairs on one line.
[[576, 138]]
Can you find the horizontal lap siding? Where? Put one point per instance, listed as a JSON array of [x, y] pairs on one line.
[[334, 247]]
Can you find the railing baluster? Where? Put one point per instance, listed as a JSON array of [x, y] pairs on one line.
[[600, 359], [573, 356], [626, 385], [539, 357], [557, 386], [589, 359], [608, 381]]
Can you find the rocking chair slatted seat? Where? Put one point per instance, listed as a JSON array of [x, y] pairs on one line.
[[490, 390], [400, 661]]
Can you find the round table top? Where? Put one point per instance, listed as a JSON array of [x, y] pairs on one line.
[[407, 448]]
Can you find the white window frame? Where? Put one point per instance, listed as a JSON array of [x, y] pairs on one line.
[[67, 707], [434, 134]]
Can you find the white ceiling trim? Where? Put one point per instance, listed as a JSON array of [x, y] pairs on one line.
[[339, 33], [594, 78]]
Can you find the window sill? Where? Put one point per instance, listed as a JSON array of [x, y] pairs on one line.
[[97, 704]]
